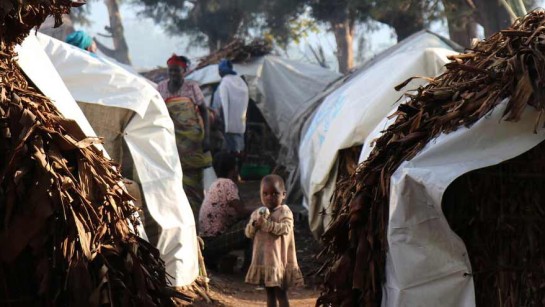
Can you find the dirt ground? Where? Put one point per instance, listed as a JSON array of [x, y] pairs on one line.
[[229, 289]]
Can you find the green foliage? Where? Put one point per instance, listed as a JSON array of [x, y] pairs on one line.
[[173, 15], [395, 12], [219, 21], [283, 20]]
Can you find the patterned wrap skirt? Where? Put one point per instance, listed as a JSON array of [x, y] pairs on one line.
[[189, 131]]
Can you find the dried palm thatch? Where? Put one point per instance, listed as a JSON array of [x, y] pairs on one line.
[[347, 166], [237, 52], [65, 221], [509, 64]]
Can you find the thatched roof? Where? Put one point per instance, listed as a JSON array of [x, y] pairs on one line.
[[66, 223], [509, 64], [236, 51]]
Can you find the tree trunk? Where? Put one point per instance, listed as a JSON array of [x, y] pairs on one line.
[[120, 52], [462, 16], [344, 35], [461, 21], [215, 42], [463, 33], [405, 19], [218, 21], [491, 15], [405, 25]]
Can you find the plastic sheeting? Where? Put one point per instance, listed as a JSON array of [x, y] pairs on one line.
[[150, 139], [38, 68], [347, 116], [116, 91], [280, 87], [426, 260]]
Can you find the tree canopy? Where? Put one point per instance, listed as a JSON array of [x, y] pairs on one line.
[[216, 22]]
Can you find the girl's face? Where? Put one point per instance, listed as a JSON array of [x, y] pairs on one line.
[[271, 195]]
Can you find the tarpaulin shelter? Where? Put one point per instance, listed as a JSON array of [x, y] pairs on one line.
[[468, 142], [279, 87], [351, 110], [428, 263], [126, 108]]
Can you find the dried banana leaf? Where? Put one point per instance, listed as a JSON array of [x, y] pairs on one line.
[[237, 52], [65, 220]]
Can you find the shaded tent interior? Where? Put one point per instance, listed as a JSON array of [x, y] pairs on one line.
[[499, 213], [261, 145]]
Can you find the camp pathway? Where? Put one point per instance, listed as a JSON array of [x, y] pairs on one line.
[[230, 290]]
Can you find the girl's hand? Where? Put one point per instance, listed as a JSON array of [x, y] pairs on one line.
[[259, 222]]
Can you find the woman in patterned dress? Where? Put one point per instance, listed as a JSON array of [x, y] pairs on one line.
[[185, 103]]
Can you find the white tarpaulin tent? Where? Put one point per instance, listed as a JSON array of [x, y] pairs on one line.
[[427, 262], [39, 69], [347, 115], [150, 138], [279, 87]]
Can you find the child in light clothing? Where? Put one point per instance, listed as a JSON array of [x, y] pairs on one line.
[[274, 261]]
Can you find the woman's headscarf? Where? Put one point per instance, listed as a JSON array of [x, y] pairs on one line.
[[79, 39], [225, 67], [181, 61]]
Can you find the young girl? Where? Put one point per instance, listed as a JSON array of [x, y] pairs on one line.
[[274, 262]]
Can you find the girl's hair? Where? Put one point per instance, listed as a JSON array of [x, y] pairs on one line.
[[275, 180], [224, 162]]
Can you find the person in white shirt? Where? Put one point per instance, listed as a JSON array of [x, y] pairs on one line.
[[232, 100]]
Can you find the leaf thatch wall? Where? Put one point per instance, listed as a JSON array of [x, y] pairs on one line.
[[65, 222]]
